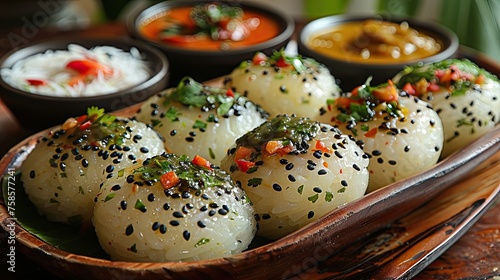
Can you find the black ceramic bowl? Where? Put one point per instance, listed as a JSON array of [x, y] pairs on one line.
[[205, 65], [352, 74], [36, 111]]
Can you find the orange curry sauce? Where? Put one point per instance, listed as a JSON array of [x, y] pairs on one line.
[[267, 29]]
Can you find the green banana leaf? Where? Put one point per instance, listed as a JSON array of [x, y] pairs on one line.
[[59, 235]]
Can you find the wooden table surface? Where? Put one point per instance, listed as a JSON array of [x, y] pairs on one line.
[[475, 256]]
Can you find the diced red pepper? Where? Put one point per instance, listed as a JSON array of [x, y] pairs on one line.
[[354, 92], [432, 87], [410, 89], [36, 82], [480, 79], [282, 62], [276, 147], [169, 180], [386, 94], [81, 118], [85, 125], [88, 67], [371, 133], [242, 153], [230, 93], [258, 58], [322, 147], [244, 165], [201, 162], [344, 102]]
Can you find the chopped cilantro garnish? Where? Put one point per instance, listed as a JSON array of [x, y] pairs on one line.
[[109, 197], [254, 182], [140, 206], [199, 125], [328, 196], [300, 189], [313, 198], [202, 241]]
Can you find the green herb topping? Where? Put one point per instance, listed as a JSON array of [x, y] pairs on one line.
[[225, 102], [101, 128], [179, 171], [457, 75], [286, 130], [279, 58], [365, 102]]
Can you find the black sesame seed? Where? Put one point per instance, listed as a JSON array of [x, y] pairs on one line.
[[201, 224], [211, 213], [155, 226], [64, 156], [392, 162], [177, 214], [116, 187], [317, 190], [343, 183], [213, 205], [174, 223], [310, 214], [32, 174], [123, 204], [186, 194], [289, 166], [338, 154], [166, 206], [407, 149], [356, 167], [129, 230], [186, 235], [277, 187], [144, 150], [317, 154], [130, 179], [110, 168], [322, 172], [266, 216], [163, 228], [222, 211], [291, 178], [151, 197]]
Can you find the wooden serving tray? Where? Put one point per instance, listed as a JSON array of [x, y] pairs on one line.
[[393, 232]]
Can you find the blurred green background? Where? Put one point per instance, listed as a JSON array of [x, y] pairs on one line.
[[476, 22]]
